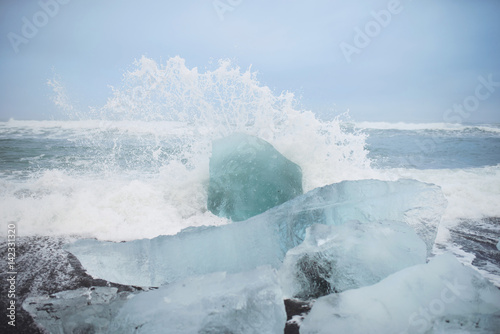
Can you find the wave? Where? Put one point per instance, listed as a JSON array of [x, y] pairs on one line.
[[137, 166], [151, 143], [61, 129], [127, 207], [494, 128], [472, 193], [110, 208], [214, 103]]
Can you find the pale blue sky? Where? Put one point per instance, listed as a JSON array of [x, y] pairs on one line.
[[426, 59]]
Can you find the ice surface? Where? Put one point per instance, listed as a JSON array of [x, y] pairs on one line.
[[469, 324], [442, 293], [265, 238], [248, 302], [418, 204], [249, 176], [498, 245], [349, 256], [235, 247], [85, 310]]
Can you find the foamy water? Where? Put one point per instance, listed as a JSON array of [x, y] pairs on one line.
[[137, 167], [426, 126]]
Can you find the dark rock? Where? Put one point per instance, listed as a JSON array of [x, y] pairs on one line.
[[478, 237], [43, 268], [295, 307], [316, 272]]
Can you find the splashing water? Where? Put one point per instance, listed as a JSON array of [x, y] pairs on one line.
[[137, 167], [216, 103]]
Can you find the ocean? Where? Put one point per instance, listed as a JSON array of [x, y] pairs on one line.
[[117, 180], [138, 167]]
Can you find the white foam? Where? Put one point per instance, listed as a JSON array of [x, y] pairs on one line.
[[106, 208], [54, 128], [134, 207], [169, 101], [425, 126], [167, 104], [218, 102], [472, 193]]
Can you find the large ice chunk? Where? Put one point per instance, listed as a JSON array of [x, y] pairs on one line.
[[235, 247], [418, 204], [246, 303], [249, 176], [349, 256], [265, 238], [414, 300]]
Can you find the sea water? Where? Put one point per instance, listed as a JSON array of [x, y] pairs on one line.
[[137, 167]]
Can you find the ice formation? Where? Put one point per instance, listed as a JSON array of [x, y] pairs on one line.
[[349, 256], [442, 294], [418, 204], [245, 303], [84, 310], [263, 239], [235, 247], [249, 176]]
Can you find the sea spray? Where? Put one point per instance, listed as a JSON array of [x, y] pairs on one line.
[[137, 167], [215, 103]]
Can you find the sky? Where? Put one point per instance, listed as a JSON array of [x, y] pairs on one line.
[[393, 61]]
